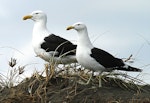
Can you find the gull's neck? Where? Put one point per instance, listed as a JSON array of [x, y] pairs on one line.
[[83, 39], [40, 28]]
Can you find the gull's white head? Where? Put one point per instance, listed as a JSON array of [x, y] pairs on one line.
[[36, 16], [79, 26]]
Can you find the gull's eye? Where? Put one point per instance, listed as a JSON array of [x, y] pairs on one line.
[[36, 13], [78, 24]]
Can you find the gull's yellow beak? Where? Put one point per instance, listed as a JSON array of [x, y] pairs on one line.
[[27, 17], [70, 27]]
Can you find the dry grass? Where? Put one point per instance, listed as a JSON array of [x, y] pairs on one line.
[[63, 84], [13, 75]]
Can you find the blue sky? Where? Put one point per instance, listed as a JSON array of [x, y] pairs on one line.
[[120, 27]]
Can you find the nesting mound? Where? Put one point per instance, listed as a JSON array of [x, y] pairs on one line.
[[66, 89]]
